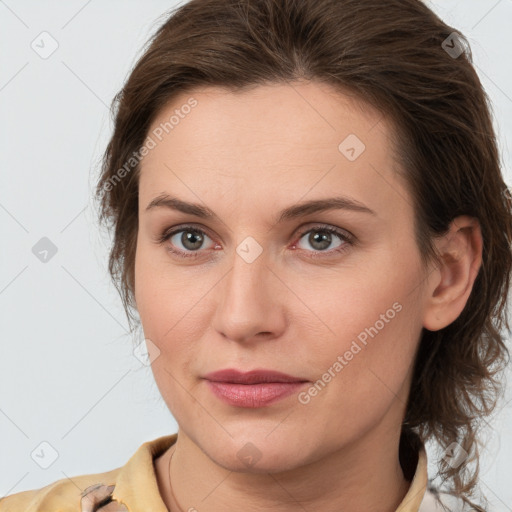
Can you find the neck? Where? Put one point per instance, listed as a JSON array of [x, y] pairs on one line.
[[365, 476]]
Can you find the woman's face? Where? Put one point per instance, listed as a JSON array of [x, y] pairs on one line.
[[254, 289]]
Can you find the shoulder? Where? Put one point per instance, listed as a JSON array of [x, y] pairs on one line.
[[75, 494], [133, 485]]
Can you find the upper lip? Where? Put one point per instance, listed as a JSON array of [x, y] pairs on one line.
[[251, 377]]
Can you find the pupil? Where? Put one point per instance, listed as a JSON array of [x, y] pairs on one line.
[[324, 239], [192, 237]]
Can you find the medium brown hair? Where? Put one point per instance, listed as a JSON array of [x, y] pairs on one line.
[[397, 56]]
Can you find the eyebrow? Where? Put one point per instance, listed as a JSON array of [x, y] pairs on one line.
[[292, 212]]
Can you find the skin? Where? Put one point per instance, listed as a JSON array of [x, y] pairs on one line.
[[247, 156]]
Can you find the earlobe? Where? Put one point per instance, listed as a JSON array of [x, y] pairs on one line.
[[450, 284]]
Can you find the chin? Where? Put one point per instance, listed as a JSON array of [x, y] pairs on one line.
[[256, 457]]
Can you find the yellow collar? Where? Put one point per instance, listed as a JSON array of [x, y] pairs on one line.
[[136, 484]]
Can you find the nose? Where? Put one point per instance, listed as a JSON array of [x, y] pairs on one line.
[[251, 301]]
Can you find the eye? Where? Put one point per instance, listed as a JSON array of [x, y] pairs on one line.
[[321, 237], [190, 238]]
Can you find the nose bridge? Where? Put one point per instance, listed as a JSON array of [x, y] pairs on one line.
[[247, 283], [249, 265], [248, 302]]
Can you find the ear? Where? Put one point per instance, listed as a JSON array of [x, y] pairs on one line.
[[450, 283]]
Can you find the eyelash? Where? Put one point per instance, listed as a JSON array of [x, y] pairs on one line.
[[345, 237]]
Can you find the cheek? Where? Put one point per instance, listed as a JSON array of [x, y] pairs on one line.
[[151, 297], [157, 287], [170, 307], [371, 326], [360, 376], [160, 309], [379, 295]]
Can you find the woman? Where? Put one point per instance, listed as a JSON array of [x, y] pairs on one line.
[[311, 223]]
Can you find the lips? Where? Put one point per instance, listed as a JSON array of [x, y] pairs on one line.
[[256, 388]]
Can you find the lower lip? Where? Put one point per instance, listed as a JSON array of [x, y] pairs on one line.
[[253, 395]]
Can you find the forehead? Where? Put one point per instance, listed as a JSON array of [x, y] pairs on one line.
[[307, 112], [292, 138]]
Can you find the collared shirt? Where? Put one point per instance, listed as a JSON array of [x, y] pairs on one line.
[[134, 488]]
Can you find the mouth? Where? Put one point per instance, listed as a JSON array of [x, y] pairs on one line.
[[256, 388]]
